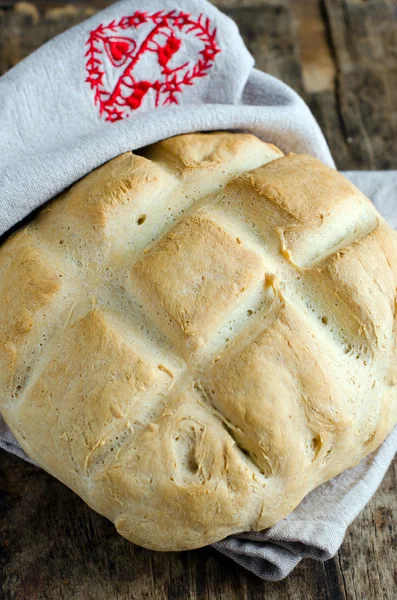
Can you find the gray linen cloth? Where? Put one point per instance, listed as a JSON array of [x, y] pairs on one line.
[[128, 77]]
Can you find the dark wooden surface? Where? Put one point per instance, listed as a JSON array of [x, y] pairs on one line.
[[342, 57]]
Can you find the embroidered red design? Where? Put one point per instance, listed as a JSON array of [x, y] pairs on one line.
[[148, 43]]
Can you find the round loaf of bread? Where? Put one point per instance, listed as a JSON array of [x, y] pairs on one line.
[[196, 335]]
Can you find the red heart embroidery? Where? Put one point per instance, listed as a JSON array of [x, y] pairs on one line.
[[119, 49], [118, 66]]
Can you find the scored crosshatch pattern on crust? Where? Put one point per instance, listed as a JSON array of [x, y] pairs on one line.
[[164, 36], [182, 304], [224, 270], [265, 256]]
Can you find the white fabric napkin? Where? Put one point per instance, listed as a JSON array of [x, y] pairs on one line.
[[129, 77]]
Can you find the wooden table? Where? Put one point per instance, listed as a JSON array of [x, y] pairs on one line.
[[341, 56]]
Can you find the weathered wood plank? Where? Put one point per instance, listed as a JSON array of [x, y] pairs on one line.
[[268, 33], [53, 546], [364, 42], [281, 40]]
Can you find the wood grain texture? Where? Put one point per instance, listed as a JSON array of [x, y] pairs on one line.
[[341, 55], [52, 546]]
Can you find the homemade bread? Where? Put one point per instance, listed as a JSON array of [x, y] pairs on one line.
[[196, 335]]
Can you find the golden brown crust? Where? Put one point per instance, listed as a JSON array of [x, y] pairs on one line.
[[194, 338], [216, 266]]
